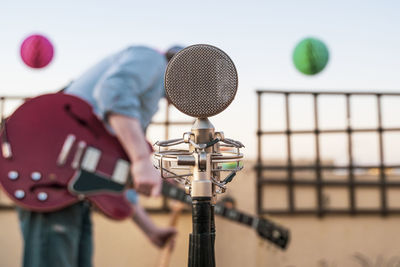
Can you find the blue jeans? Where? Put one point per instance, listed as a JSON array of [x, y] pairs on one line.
[[57, 239]]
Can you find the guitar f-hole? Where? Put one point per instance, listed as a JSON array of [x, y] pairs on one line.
[[53, 185], [79, 120]]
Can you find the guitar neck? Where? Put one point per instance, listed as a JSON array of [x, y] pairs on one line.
[[179, 194], [237, 216], [264, 227]]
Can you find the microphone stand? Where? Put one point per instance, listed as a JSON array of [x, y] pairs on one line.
[[202, 239], [202, 158]]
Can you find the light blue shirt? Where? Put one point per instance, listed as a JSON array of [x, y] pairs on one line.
[[130, 83]]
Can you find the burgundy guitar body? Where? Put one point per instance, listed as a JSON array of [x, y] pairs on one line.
[[38, 176]]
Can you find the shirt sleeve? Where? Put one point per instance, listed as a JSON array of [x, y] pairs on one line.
[[131, 196], [119, 90]]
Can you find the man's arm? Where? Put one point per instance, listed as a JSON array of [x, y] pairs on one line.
[[157, 235], [129, 132]]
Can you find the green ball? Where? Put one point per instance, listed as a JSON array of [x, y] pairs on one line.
[[310, 56]]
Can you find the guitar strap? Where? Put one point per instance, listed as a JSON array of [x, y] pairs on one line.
[[65, 87]]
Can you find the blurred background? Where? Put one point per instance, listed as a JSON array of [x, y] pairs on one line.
[[324, 165]]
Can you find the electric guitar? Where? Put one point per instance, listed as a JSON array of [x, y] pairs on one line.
[[56, 152]]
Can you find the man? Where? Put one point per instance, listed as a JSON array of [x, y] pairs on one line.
[[124, 90]]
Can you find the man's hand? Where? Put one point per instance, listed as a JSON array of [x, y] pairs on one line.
[[160, 236], [157, 235], [146, 178]]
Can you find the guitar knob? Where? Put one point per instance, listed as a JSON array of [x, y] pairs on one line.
[[42, 196], [13, 175], [36, 176], [19, 194]]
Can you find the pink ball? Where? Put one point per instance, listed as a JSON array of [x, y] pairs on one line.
[[36, 51]]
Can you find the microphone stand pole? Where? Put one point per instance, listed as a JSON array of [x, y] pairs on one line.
[[202, 238]]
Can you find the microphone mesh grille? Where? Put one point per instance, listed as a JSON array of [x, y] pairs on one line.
[[201, 81]]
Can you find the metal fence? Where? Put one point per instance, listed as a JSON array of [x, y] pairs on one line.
[[266, 171]]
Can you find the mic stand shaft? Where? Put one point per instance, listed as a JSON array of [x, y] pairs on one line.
[[201, 241], [212, 227]]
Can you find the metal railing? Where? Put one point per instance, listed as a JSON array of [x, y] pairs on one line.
[[316, 166]]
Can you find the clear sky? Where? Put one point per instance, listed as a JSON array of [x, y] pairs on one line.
[[363, 38]]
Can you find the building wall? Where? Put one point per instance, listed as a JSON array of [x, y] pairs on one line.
[[332, 241]]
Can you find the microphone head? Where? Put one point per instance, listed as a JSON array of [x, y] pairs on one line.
[[201, 81]]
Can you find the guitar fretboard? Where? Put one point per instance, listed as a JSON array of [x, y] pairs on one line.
[[235, 215], [265, 228]]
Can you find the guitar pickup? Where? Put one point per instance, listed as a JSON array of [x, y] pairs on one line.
[[66, 148], [121, 172], [78, 155], [91, 159]]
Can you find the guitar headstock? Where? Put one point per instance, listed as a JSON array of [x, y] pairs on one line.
[[274, 233], [266, 229]]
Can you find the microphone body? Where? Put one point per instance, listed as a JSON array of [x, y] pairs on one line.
[[203, 132]]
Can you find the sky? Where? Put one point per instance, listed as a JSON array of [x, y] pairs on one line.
[[363, 38]]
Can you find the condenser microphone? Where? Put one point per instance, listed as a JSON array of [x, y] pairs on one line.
[[201, 81]]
